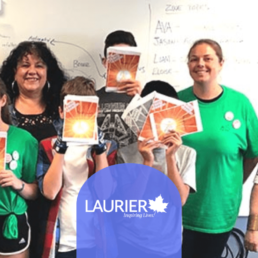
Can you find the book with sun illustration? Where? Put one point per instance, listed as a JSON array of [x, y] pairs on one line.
[[160, 102], [122, 64], [3, 141], [80, 119], [184, 119]]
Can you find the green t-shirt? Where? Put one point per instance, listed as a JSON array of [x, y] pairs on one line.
[[21, 158], [230, 133]]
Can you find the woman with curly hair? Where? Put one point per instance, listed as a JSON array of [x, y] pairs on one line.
[[34, 79]]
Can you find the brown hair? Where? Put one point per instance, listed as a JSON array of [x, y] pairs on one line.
[[5, 116], [212, 43], [78, 86]]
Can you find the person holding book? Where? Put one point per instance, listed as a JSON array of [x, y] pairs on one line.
[[112, 104], [227, 151], [34, 78], [177, 161], [62, 179], [17, 183], [251, 236], [171, 158]]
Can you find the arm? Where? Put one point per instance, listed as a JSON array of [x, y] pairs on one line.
[[131, 87], [251, 236], [100, 151], [27, 190], [50, 176], [101, 161], [53, 179], [249, 165], [173, 141]]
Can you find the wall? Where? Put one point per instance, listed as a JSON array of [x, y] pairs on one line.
[[75, 30]]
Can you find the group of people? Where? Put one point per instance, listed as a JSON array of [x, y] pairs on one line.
[[213, 164]]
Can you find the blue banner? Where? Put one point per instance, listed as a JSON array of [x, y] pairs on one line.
[[129, 210]]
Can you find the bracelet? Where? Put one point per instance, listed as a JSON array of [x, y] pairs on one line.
[[60, 146], [99, 149], [252, 222], [22, 187]]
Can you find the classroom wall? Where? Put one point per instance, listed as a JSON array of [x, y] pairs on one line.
[[75, 30]]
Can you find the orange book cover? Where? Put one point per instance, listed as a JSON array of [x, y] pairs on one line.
[[122, 64], [3, 141], [160, 103], [184, 119], [80, 119]]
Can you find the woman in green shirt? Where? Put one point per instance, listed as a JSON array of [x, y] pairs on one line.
[[227, 150]]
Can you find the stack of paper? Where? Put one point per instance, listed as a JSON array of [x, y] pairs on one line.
[[155, 115], [3, 142], [122, 64], [80, 119]]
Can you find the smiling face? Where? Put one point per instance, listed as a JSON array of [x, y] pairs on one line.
[[31, 75], [204, 64]]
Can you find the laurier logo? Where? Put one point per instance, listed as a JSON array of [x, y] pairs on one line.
[[129, 206], [158, 205]]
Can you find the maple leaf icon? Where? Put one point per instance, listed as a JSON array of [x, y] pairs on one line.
[[158, 205]]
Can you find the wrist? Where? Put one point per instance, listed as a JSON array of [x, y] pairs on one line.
[[252, 224], [21, 188], [148, 162], [99, 149], [60, 146], [171, 157]]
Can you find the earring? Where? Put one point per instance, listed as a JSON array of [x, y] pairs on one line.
[[48, 85], [13, 83]]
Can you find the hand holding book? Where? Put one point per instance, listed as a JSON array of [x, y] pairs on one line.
[[172, 140], [130, 87], [146, 147]]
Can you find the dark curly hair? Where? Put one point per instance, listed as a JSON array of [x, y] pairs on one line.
[[55, 75]]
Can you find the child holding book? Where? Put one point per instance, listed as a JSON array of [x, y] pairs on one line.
[[62, 180], [113, 104], [177, 161], [17, 184]]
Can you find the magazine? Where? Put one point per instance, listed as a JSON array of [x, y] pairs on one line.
[[80, 119], [3, 144], [122, 64], [160, 102], [137, 111], [184, 119]]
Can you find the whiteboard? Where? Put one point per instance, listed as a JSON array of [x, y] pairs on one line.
[[75, 31]]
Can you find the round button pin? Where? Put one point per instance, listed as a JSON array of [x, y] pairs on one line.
[[236, 124], [13, 165], [229, 116], [8, 158], [15, 155]]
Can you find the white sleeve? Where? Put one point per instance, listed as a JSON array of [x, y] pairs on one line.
[[256, 178], [186, 166]]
